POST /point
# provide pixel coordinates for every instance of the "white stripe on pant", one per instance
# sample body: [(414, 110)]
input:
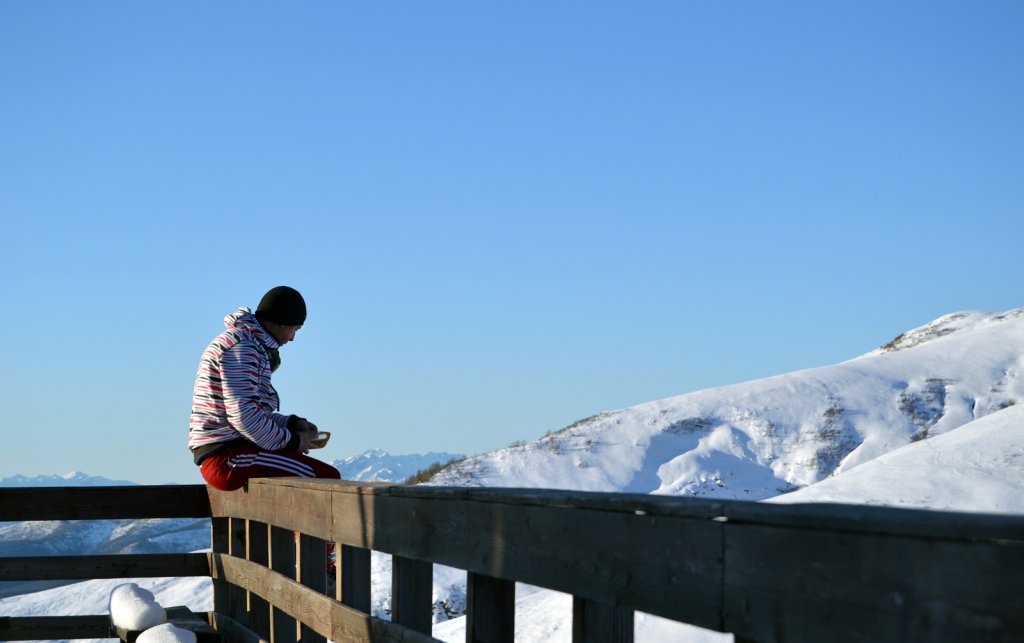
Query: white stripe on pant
[(271, 461)]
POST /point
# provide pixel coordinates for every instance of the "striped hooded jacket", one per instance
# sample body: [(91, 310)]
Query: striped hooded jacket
[(233, 400)]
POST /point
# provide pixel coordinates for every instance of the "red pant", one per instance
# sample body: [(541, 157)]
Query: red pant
[(231, 469)]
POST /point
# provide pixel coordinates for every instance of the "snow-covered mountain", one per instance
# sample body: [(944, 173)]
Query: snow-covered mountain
[(70, 479), (380, 466), (758, 439)]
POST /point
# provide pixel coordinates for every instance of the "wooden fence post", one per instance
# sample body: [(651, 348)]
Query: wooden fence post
[(312, 566), (354, 577), (238, 598), (257, 550), (594, 622), (283, 628), (220, 536), (491, 609), (412, 587)]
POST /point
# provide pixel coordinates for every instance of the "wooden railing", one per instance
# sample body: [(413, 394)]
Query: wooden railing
[(804, 573), (94, 503)]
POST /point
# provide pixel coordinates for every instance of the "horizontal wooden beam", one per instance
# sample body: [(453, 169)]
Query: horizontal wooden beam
[(866, 519), (950, 525), (302, 508), (784, 583), (321, 614), (103, 503), (53, 628), (108, 566)]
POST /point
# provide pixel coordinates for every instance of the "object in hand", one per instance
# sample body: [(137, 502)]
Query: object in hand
[(320, 441)]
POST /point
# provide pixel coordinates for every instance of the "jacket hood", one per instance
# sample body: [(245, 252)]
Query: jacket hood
[(243, 319)]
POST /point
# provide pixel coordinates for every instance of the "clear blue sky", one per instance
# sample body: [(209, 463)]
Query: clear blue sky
[(504, 216)]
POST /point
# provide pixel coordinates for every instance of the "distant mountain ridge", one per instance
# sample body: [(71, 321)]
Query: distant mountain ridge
[(376, 465), (70, 479)]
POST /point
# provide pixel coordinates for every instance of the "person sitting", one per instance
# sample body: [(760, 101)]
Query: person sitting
[(236, 430)]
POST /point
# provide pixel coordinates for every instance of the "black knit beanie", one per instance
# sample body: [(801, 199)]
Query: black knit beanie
[(283, 305)]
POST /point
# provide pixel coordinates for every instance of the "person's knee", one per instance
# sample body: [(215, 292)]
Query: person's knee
[(218, 476), (324, 470)]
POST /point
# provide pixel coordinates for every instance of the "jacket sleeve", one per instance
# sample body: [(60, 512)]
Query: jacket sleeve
[(247, 413)]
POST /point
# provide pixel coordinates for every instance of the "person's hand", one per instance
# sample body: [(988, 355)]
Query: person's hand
[(307, 433)]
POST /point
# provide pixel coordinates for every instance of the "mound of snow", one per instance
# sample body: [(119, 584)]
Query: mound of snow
[(134, 608), (978, 467), (167, 633)]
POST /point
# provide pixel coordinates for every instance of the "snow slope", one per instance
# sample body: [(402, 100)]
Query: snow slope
[(91, 597), (758, 439), (978, 467)]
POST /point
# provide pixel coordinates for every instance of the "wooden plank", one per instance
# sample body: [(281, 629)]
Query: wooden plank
[(52, 628), (867, 519), (312, 567), (238, 599), (281, 592), (836, 516), (220, 543), (103, 503), (283, 628), (258, 551), (788, 584), (412, 587), (490, 610), (594, 622), (301, 508), (326, 617), (105, 566), (677, 506), (354, 584)]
